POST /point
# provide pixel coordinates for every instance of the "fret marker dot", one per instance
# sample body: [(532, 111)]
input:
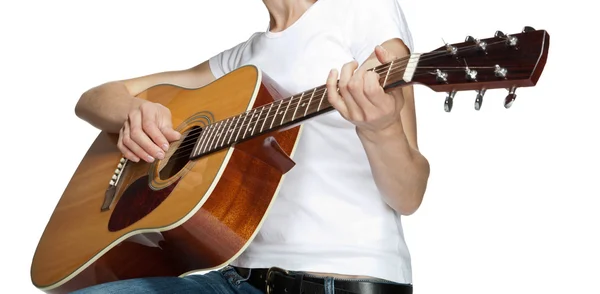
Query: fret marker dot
[(303, 104)]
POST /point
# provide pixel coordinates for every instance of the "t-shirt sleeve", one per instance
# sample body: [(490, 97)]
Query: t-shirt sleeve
[(371, 23), (230, 59), (226, 61)]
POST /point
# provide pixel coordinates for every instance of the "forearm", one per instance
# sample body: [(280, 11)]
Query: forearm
[(106, 106), (400, 171)]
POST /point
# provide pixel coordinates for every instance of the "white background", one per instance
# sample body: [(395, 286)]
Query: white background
[(512, 204)]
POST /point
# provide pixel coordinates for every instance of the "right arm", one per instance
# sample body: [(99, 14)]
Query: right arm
[(143, 126), (106, 106)]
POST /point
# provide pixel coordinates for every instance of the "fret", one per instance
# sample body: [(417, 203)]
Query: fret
[(280, 112), (257, 120), (294, 102), (388, 73), (249, 123), (302, 106), (232, 131), (266, 116), (297, 105), (286, 110), (275, 114), (321, 100), (208, 130), (241, 126), (199, 142), (217, 136), (213, 131), (222, 133), (309, 101), (227, 131)]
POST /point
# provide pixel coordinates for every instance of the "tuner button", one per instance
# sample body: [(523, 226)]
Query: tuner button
[(479, 99), (528, 29), (500, 71), (449, 101), (451, 49), (441, 76), (499, 34), (470, 39), (510, 98)]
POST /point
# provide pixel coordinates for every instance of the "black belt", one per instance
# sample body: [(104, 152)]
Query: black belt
[(275, 281)]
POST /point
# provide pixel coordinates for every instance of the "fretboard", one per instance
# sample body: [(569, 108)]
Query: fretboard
[(288, 111)]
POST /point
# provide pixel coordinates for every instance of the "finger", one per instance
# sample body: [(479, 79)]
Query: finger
[(354, 111), (130, 144), (373, 91), (126, 152), (171, 134), (166, 126), (356, 89), (383, 55), (332, 95), (150, 128), (139, 135), (137, 141)]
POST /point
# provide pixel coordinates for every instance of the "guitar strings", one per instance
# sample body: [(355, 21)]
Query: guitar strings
[(402, 62), (216, 142), (388, 67)]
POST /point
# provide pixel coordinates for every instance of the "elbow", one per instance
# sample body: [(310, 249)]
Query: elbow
[(82, 105), (410, 207), (79, 107)]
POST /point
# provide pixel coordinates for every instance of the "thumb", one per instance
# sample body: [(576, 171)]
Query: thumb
[(383, 55)]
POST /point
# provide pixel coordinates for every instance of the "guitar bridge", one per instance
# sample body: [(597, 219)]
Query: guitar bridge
[(109, 195)]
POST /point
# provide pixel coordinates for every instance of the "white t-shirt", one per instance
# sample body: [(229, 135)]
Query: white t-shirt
[(329, 215)]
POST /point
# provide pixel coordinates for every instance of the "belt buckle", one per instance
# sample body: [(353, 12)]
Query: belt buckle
[(270, 273)]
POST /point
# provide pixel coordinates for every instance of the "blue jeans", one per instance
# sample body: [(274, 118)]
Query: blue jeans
[(223, 281)]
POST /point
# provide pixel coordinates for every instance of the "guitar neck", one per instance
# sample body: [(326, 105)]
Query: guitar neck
[(290, 111)]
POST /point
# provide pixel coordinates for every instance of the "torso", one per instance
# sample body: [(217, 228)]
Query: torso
[(328, 217)]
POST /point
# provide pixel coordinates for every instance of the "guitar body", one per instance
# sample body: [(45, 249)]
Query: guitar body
[(174, 216)]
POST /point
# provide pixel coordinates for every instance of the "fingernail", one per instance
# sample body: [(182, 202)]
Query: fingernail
[(160, 155), (165, 147), (150, 158)]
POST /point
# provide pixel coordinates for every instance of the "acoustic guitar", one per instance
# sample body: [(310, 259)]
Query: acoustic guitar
[(200, 207)]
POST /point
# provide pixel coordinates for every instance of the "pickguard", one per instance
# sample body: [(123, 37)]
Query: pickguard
[(137, 201)]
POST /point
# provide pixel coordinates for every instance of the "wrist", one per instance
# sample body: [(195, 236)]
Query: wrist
[(392, 132)]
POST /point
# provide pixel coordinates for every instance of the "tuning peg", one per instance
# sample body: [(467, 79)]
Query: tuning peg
[(441, 76), (528, 29), (510, 98), (449, 101), (510, 40), (480, 44), (479, 99)]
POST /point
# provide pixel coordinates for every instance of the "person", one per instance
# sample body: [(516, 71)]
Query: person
[(335, 226)]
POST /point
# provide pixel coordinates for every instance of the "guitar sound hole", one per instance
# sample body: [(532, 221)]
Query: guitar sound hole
[(181, 156)]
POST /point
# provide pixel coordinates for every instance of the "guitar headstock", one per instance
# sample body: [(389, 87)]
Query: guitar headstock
[(503, 61)]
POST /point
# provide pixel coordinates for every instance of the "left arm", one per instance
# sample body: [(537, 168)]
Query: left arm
[(386, 126)]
